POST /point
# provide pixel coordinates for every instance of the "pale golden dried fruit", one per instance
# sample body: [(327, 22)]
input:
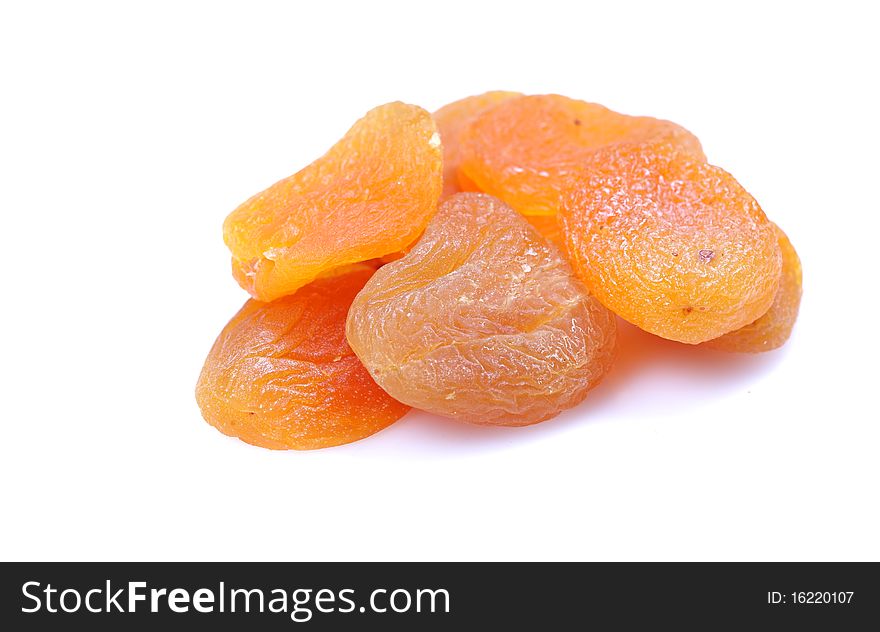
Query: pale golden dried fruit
[(482, 321)]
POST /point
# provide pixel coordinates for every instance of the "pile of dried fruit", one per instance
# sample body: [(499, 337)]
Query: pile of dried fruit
[(471, 264)]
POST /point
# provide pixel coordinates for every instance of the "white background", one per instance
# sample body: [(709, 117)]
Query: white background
[(129, 131)]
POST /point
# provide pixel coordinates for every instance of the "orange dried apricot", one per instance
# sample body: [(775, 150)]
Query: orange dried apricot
[(482, 321), (524, 150), (672, 244), (773, 329), (371, 195), (548, 226), (451, 121), (282, 376)]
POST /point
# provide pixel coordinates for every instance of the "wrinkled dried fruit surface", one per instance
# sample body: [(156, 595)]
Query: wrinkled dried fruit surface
[(549, 227), (282, 376), (673, 245), (773, 329), (371, 195), (482, 321), (524, 150), (451, 121)]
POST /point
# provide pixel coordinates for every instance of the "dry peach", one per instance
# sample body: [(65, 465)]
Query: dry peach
[(773, 329), (282, 376), (451, 121), (482, 320), (371, 195), (671, 244), (548, 226), (524, 150)]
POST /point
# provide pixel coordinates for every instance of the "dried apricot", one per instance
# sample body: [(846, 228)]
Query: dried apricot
[(451, 121), (548, 226), (282, 376), (673, 245), (773, 329), (524, 150), (371, 195), (482, 320)]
